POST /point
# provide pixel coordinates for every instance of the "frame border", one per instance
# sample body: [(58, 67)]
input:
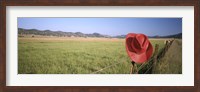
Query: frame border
[(4, 3)]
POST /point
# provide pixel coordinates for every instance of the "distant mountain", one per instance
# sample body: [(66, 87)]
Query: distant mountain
[(22, 31), (120, 36), (179, 35)]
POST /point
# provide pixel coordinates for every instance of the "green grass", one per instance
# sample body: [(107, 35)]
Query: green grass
[(171, 63), (63, 56)]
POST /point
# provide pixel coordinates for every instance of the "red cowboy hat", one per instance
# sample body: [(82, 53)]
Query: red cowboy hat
[(138, 47)]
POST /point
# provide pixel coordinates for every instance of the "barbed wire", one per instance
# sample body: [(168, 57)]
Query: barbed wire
[(144, 64), (141, 66), (158, 57), (148, 69), (106, 67), (119, 63)]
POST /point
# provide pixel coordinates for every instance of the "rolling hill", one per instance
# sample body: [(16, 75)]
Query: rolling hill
[(22, 31)]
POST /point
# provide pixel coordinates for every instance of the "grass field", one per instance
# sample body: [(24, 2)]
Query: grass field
[(51, 55), (172, 62)]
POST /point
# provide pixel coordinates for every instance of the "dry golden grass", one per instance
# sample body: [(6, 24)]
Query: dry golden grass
[(53, 38), (69, 39)]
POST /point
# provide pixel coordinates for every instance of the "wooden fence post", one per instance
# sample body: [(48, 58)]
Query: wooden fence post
[(155, 57), (132, 68)]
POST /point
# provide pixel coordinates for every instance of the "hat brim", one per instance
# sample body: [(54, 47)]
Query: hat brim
[(141, 57)]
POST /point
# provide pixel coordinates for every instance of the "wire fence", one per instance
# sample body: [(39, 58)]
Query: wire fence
[(141, 66), (106, 67), (159, 55)]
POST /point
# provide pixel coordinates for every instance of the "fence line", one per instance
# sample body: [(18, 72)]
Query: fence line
[(144, 64), (158, 57), (148, 69), (119, 63)]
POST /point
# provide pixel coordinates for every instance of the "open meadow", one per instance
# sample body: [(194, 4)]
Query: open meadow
[(74, 55)]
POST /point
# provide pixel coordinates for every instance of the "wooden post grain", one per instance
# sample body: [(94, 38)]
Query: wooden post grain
[(132, 67), (155, 57)]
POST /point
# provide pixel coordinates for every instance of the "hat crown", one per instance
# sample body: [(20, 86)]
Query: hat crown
[(142, 41), (139, 43), (140, 38), (138, 47)]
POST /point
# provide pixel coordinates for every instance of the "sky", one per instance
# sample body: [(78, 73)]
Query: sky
[(106, 26)]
